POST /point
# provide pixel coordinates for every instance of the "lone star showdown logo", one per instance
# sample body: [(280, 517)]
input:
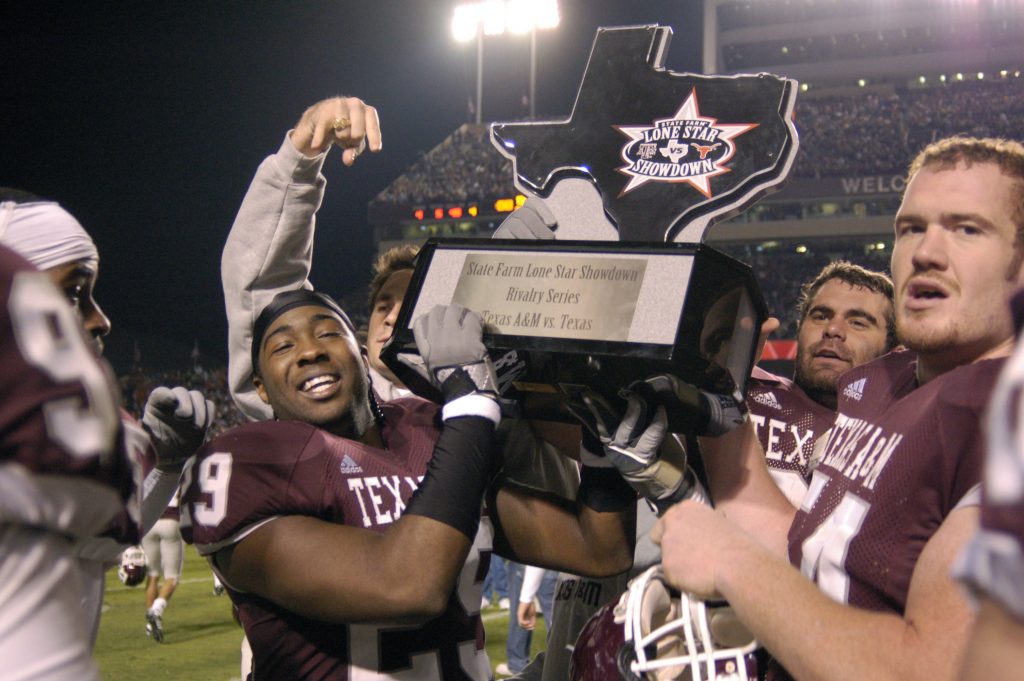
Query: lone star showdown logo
[(656, 153)]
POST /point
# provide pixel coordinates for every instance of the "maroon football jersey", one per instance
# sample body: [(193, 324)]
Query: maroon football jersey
[(58, 415), (898, 460), (257, 472), (787, 423)]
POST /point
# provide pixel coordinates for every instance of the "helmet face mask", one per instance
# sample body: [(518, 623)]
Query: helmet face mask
[(132, 570), (664, 635)]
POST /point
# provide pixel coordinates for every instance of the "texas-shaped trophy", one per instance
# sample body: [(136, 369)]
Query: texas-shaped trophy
[(648, 161)]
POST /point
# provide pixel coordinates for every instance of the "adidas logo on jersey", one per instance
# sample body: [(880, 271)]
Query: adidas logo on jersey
[(349, 467), (855, 391), (768, 400)]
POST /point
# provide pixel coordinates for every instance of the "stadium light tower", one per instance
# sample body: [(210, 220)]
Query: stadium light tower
[(495, 17)]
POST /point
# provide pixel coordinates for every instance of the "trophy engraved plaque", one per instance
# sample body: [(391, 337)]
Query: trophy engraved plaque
[(669, 154)]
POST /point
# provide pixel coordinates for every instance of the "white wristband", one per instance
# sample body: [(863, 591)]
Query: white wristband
[(472, 405)]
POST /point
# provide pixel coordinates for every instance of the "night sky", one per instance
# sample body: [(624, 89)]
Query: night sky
[(147, 120)]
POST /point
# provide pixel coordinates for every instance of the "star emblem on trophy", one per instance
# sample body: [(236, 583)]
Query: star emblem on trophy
[(687, 147)]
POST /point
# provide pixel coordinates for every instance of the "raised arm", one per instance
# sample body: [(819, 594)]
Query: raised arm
[(270, 246)]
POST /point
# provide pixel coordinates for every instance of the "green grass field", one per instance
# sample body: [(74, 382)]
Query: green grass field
[(201, 639)]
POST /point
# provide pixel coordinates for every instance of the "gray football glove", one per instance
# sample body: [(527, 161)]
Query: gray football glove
[(532, 220), (650, 460), (454, 359), (176, 420), (633, 447)]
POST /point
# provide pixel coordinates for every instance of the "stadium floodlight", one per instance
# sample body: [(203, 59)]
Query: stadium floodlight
[(464, 22), (519, 18), (496, 17), (492, 17)]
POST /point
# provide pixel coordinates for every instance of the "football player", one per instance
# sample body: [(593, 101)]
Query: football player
[(174, 422), (846, 319), (895, 495), (60, 477), (337, 478), (269, 250), (165, 556), (992, 565)]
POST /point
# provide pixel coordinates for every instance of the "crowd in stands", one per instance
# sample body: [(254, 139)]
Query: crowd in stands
[(464, 167), (892, 43), (875, 133), (733, 15), (840, 135), (774, 209)]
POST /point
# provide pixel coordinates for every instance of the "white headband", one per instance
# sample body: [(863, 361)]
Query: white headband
[(45, 234)]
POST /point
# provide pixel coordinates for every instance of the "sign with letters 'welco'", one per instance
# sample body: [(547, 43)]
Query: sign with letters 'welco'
[(645, 164)]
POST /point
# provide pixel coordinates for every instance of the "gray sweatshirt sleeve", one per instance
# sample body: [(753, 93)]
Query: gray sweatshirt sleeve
[(269, 250)]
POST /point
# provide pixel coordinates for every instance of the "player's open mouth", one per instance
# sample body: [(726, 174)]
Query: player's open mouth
[(923, 293), (323, 385), (828, 356)]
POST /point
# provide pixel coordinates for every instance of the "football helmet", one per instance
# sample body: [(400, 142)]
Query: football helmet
[(132, 570), (654, 633)]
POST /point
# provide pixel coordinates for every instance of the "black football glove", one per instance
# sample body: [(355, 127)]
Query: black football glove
[(711, 414)]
